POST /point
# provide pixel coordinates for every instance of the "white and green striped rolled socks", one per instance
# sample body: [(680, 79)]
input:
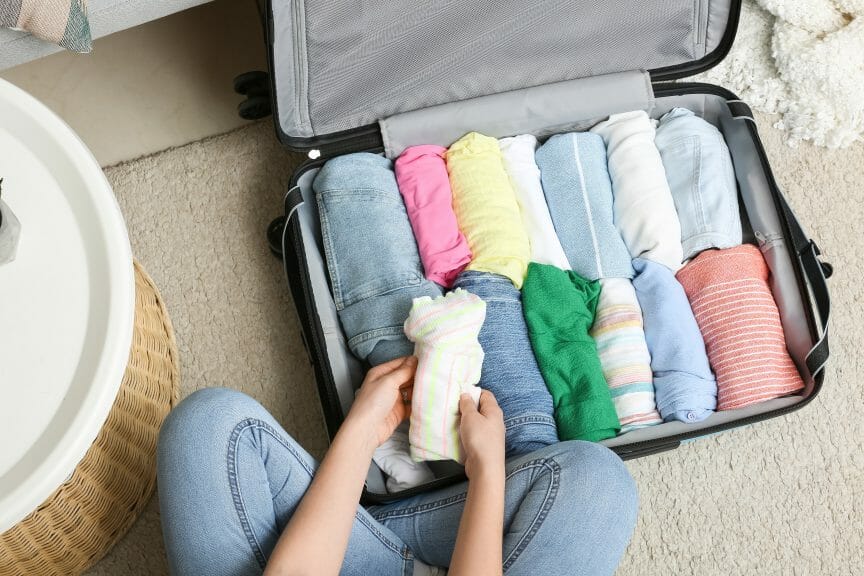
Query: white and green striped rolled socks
[(444, 332)]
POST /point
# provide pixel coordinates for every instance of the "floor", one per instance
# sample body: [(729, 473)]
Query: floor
[(780, 497), (159, 85)]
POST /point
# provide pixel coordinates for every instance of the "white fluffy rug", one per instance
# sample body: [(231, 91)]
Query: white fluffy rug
[(803, 59)]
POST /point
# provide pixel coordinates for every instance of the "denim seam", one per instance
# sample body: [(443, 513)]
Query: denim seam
[(236, 496), (402, 551), (329, 249), (548, 500)]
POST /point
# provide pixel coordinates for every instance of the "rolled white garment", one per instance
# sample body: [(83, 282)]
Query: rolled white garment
[(518, 155), (643, 205)]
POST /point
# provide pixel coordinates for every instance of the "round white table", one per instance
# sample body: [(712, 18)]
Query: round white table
[(67, 303)]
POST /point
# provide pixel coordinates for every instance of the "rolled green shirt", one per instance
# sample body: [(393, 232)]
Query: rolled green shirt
[(559, 309)]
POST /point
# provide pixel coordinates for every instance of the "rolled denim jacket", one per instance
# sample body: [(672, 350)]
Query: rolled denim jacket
[(375, 271), (510, 370), (702, 180)]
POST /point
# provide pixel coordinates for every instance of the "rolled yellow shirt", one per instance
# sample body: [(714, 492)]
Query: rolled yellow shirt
[(486, 208)]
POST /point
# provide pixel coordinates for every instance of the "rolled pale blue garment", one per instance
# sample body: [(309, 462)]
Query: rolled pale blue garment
[(510, 370), (372, 259), (578, 192), (702, 180), (684, 386)]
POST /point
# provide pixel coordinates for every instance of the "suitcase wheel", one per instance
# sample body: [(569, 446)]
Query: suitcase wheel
[(274, 235), (255, 83), (254, 108)]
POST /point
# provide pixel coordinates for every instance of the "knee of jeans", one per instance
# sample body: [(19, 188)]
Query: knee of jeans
[(201, 415), (605, 478)]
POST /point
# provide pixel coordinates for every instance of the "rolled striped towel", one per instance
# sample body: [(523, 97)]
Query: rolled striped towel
[(62, 22), (624, 357), (733, 305), (450, 358)]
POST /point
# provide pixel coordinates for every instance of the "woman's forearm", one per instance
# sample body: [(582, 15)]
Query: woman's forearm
[(479, 541), (316, 538)]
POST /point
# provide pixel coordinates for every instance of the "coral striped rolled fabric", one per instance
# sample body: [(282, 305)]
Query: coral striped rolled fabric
[(449, 363), (623, 350), (486, 208), (732, 302), (425, 187)]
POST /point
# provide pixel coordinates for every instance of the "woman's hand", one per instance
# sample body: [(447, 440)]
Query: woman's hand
[(481, 431), (384, 400)]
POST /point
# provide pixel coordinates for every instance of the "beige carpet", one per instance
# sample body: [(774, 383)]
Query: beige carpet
[(781, 497)]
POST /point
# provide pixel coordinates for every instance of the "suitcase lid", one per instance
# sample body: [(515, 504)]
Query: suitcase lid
[(339, 66)]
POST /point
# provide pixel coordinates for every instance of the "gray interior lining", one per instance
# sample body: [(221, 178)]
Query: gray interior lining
[(342, 64), (569, 106), (761, 216)]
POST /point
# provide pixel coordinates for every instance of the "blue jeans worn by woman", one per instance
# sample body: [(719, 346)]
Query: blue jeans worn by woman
[(230, 479)]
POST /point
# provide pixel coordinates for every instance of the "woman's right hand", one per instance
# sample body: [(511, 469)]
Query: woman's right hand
[(481, 431)]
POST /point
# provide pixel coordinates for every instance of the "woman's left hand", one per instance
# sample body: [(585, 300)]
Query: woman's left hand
[(384, 399)]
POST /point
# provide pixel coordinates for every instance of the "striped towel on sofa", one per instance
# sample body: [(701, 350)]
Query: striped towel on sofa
[(62, 22)]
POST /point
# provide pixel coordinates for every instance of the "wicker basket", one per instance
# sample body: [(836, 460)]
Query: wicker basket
[(106, 493)]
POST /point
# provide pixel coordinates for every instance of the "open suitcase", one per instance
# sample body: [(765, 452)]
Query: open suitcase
[(351, 76)]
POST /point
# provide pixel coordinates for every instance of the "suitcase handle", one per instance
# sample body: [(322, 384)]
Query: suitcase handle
[(816, 272)]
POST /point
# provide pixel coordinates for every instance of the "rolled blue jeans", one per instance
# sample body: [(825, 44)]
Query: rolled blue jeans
[(702, 180), (230, 478), (510, 370), (375, 270)]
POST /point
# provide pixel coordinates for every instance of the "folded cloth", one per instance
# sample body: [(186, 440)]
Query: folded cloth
[(449, 359), (486, 208), (510, 370), (644, 210), (684, 386), (620, 341), (579, 194), (702, 180), (425, 186), (393, 457), (518, 154), (372, 259), (559, 311), (733, 305)]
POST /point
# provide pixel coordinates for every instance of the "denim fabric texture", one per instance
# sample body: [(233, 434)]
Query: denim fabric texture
[(684, 386), (510, 370), (375, 270), (702, 180), (230, 479), (579, 195)]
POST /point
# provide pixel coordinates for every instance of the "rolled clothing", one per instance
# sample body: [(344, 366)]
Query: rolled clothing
[(684, 386), (518, 155), (623, 351), (579, 195), (510, 370), (393, 457), (486, 208), (425, 187), (702, 180), (644, 210), (729, 293), (372, 259), (559, 309), (449, 361)]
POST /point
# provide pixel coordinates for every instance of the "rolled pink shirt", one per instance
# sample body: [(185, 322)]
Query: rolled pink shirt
[(425, 186)]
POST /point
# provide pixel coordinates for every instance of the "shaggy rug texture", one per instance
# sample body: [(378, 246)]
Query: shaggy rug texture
[(781, 497), (802, 59)]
